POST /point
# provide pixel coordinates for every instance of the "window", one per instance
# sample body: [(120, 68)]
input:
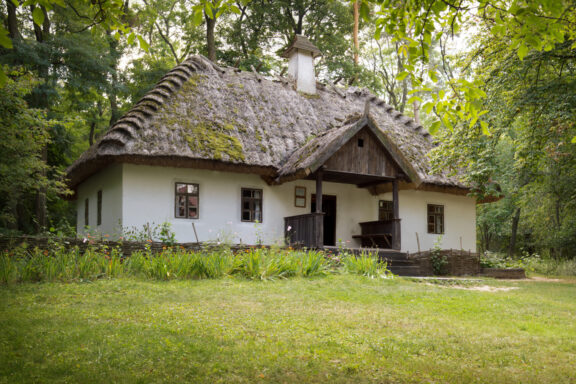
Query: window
[(435, 218), (187, 200), (385, 210), (300, 197), (99, 209), (86, 212), (251, 205), (360, 143)]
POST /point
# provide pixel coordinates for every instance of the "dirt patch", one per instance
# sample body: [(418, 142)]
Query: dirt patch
[(486, 288), (538, 278), (481, 288)]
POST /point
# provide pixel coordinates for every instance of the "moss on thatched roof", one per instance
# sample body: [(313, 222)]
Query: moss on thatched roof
[(203, 115)]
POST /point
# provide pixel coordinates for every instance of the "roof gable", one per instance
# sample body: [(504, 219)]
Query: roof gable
[(322, 150)]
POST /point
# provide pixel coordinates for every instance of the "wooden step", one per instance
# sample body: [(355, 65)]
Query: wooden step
[(412, 270)]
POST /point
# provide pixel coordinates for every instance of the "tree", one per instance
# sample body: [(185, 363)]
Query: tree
[(24, 133), (531, 25)]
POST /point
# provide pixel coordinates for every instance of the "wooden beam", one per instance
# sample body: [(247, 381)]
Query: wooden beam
[(396, 235), (396, 206), (319, 175)]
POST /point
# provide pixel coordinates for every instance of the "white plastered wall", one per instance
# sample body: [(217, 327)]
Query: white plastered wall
[(148, 194), (134, 195), (109, 181), (459, 220)]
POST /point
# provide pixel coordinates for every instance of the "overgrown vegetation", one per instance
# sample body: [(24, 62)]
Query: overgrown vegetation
[(63, 264), (531, 263)]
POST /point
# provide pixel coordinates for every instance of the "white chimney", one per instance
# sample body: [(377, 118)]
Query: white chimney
[(301, 54)]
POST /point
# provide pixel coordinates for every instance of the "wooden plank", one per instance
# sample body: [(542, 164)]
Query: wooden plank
[(363, 154)]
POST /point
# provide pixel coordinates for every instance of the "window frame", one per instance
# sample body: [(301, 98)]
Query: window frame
[(298, 198), (252, 208), (187, 196), (435, 219), (390, 203)]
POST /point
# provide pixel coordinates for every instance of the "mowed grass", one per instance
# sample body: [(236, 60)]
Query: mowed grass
[(339, 328)]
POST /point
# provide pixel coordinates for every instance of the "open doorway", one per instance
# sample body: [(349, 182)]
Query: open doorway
[(329, 209)]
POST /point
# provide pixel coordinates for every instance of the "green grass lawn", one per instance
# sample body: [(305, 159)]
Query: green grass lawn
[(335, 329)]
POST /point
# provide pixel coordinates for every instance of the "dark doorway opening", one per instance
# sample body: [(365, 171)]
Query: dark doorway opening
[(329, 209)]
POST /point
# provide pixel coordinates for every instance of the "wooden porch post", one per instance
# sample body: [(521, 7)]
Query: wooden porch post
[(396, 240), (319, 219), (319, 191)]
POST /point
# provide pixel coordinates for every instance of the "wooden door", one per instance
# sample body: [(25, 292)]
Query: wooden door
[(329, 210)]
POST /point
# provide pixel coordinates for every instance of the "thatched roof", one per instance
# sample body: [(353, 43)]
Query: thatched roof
[(205, 116)]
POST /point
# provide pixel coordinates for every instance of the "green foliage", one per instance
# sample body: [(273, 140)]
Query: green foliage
[(24, 134), (59, 263), (416, 25), (437, 258), (366, 264), (150, 232)]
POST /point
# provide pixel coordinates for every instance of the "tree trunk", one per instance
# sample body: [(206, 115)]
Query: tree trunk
[(356, 23), (41, 211), (210, 45), (37, 28), (12, 21), (514, 232)]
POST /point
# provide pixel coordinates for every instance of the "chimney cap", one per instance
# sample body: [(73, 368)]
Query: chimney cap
[(302, 43)]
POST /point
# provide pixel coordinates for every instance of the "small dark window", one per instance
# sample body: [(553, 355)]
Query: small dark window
[(86, 212), (251, 205), (360, 143), (385, 210), (187, 200), (435, 219), (99, 209)]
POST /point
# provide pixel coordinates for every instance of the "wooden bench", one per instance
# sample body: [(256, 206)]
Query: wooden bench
[(372, 240)]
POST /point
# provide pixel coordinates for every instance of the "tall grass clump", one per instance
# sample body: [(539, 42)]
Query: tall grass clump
[(58, 264), (177, 263), (552, 267), (365, 264), (309, 263), (263, 264)]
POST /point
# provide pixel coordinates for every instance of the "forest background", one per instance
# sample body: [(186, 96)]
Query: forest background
[(493, 80)]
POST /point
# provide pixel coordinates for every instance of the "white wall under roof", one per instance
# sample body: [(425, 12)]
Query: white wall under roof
[(109, 181), (149, 198), (459, 220), (135, 195), (301, 68)]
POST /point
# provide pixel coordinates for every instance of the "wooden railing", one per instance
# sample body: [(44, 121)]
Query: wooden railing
[(380, 234), (305, 230)]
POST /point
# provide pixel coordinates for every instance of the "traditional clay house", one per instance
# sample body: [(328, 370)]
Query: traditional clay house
[(249, 159)]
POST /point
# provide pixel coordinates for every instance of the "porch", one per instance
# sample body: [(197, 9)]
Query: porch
[(315, 229)]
